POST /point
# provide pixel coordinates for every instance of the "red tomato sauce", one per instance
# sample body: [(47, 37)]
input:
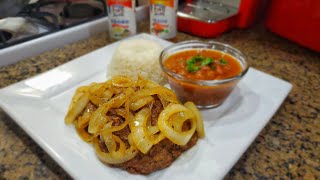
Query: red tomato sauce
[(216, 70)]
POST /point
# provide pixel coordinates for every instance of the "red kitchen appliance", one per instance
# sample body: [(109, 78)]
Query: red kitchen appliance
[(296, 20), (210, 18)]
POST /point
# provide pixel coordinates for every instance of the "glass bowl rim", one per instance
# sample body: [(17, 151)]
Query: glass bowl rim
[(205, 82)]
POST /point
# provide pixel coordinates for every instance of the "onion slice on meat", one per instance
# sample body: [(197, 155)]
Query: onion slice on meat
[(139, 130), (116, 157), (177, 136), (200, 125), (144, 135), (78, 103), (164, 92), (140, 103)]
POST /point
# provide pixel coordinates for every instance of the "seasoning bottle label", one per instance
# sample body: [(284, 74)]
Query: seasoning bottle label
[(122, 18), (163, 18)]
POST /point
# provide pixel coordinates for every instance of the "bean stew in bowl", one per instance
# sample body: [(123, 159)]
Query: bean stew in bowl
[(203, 72)]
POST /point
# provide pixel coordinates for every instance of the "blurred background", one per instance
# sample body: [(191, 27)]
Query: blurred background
[(296, 20)]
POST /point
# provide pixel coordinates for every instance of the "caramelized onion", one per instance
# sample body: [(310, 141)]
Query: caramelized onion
[(78, 103), (139, 130), (140, 103), (124, 103), (200, 126), (164, 92), (116, 157), (176, 135)]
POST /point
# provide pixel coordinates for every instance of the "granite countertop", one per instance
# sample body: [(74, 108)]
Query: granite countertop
[(288, 147)]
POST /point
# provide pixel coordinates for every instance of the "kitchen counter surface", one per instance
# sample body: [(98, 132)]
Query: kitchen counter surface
[(288, 147)]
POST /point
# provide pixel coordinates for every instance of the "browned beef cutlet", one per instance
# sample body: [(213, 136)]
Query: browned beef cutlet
[(160, 155)]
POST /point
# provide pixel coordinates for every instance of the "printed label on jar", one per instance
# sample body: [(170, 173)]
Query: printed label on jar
[(122, 18), (163, 18)]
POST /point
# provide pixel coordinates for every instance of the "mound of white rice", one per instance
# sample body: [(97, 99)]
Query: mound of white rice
[(137, 57)]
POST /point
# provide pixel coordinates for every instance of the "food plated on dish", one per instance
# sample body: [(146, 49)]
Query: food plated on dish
[(138, 126)]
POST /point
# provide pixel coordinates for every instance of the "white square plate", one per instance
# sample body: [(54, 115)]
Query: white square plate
[(39, 105)]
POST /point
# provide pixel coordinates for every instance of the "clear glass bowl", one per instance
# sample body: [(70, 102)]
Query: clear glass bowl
[(204, 93)]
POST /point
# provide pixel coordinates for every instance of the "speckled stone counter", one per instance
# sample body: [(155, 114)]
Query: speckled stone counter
[(288, 147)]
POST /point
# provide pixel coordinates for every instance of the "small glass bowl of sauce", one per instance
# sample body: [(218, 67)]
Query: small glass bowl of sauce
[(203, 72)]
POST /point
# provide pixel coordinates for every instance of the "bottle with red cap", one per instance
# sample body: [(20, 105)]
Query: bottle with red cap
[(122, 18), (163, 18)]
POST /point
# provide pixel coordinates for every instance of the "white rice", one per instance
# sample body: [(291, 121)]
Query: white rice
[(137, 57)]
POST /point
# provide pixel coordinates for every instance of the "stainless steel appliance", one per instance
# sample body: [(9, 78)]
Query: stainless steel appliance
[(38, 18)]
